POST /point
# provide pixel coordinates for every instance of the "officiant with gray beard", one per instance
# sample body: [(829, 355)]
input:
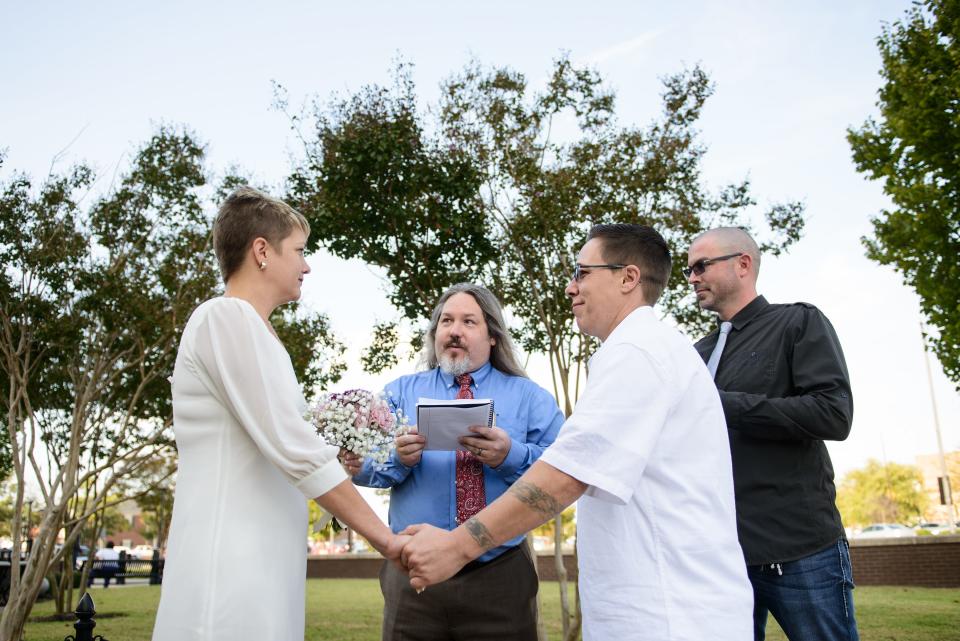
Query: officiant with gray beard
[(469, 355)]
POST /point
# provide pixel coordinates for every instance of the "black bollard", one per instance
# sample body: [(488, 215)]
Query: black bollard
[(85, 624), (155, 568)]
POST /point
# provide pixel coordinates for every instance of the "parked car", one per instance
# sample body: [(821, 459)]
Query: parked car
[(885, 531), (935, 528), (142, 552)]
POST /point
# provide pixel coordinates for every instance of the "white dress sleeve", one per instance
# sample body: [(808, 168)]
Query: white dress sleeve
[(607, 441), (252, 377)]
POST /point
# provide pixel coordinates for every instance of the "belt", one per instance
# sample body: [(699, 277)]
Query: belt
[(476, 565)]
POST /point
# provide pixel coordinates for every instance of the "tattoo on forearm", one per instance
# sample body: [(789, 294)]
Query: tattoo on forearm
[(480, 533), (536, 498)]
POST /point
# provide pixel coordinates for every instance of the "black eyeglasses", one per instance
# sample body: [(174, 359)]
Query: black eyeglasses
[(701, 265), (578, 269)]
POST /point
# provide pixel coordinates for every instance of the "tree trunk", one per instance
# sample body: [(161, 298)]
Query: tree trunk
[(21, 600), (573, 634), (59, 588), (69, 570), (561, 573), (14, 616)]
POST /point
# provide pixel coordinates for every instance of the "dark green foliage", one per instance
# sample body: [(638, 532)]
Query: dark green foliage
[(490, 192), (94, 295), (914, 148), (115, 284), (375, 187), (381, 355), (316, 353)]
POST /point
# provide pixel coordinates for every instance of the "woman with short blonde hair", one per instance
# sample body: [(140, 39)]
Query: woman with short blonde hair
[(236, 557)]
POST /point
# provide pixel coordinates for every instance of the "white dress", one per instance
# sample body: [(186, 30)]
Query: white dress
[(236, 556)]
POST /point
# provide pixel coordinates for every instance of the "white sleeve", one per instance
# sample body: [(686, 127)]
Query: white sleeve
[(614, 428), (260, 390)]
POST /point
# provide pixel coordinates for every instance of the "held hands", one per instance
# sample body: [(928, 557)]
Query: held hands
[(394, 548), (489, 444), (430, 555)]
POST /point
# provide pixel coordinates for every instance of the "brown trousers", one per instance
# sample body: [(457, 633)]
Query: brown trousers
[(495, 601)]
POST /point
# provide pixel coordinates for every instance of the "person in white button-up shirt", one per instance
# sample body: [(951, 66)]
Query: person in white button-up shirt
[(646, 452)]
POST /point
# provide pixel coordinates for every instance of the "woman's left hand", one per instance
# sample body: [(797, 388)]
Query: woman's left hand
[(351, 462)]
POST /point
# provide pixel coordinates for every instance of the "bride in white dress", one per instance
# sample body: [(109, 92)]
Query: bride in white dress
[(236, 557)]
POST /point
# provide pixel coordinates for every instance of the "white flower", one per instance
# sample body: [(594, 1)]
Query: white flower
[(336, 418)]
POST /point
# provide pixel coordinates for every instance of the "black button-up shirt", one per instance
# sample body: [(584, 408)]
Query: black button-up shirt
[(785, 389)]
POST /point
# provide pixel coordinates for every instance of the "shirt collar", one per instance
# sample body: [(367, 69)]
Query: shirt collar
[(742, 318), (479, 376), (644, 311)]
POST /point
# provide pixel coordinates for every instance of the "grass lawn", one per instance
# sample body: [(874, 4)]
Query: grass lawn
[(349, 610)]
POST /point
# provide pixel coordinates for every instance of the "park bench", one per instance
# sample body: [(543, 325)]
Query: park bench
[(129, 568)]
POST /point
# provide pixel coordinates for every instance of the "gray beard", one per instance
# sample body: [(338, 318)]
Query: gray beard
[(455, 368)]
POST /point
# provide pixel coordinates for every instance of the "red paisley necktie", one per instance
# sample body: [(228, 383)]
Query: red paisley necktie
[(471, 497)]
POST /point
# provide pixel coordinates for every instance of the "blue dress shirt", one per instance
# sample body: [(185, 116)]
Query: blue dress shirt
[(426, 492)]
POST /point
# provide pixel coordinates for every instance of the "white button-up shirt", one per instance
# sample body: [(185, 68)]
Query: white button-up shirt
[(656, 529)]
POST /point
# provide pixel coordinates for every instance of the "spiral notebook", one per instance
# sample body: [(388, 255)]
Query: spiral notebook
[(443, 422)]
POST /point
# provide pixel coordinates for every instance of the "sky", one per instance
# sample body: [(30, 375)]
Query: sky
[(91, 81)]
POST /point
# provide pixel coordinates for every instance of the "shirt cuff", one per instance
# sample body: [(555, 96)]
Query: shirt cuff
[(397, 463), (601, 486), (513, 460), (731, 403), (322, 480)]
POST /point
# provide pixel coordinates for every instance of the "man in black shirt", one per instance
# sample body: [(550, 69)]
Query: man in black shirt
[(785, 390)]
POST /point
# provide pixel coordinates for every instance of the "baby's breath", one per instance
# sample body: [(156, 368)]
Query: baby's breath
[(359, 421)]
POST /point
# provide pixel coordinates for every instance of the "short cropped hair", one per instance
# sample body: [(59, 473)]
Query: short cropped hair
[(638, 245), (731, 240), (248, 214), (503, 354)]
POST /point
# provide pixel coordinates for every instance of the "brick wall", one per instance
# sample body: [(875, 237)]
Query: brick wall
[(344, 566), (367, 566), (928, 561), (547, 566)]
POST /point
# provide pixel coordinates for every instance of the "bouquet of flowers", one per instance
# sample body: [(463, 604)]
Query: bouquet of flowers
[(359, 421)]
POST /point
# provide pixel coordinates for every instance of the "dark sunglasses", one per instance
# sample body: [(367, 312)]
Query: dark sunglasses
[(701, 265), (578, 272)]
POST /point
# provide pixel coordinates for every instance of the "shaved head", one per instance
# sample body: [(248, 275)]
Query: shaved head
[(732, 240), (722, 266)]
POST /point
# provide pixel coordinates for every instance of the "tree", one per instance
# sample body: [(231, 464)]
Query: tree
[(489, 192), (370, 169), (881, 493), (914, 148), (568, 529), (92, 303)]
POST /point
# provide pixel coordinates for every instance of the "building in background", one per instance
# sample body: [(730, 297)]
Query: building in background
[(929, 466)]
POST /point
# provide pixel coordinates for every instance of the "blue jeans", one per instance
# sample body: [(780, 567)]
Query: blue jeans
[(811, 598)]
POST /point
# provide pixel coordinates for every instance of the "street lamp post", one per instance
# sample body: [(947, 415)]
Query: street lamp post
[(947, 494)]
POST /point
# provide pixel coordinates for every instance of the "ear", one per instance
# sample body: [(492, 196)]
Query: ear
[(631, 279), (745, 264), (259, 247)]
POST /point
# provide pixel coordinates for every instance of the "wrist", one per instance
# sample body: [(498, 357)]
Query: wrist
[(381, 542), (472, 539)]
